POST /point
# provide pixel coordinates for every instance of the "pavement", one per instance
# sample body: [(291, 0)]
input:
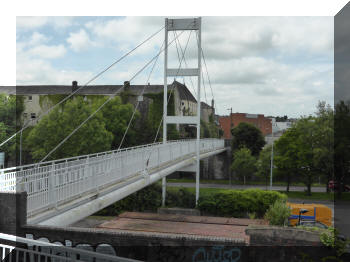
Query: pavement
[(226, 186), (233, 228)]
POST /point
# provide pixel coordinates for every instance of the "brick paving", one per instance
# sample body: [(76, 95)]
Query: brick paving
[(181, 224)]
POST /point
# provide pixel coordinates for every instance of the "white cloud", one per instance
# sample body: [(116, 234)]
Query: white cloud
[(37, 38), (127, 32), (270, 65), (33, 22), (38, 71), (30, 22), (79, 41), (45, 51)]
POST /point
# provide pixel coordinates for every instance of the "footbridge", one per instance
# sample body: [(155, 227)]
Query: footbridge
[(63, 191)]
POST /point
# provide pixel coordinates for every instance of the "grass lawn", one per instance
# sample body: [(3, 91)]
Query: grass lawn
[(203, 191), (227, 182), (292, 195), (314, 195)]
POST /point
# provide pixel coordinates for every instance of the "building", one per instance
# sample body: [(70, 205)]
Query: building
[(278, 129), (184, 102), (233, 120), (207, 111)]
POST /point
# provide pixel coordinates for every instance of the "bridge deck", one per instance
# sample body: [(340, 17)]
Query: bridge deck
[(56, 186)]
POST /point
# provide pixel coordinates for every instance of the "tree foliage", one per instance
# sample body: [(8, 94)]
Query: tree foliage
[(116, 117), (263, 164), (243, 164), (249, 136), (306, 149), (154, 118), (54, 127), (286, 155), (11, 108)]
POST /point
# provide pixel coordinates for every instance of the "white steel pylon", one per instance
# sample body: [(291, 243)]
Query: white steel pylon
[(177, 25)]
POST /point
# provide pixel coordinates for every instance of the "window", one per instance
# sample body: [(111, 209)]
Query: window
[(32, 115), (25, 115), (30, 98)]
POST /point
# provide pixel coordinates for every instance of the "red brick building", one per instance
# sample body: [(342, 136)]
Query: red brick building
[(260, 121)]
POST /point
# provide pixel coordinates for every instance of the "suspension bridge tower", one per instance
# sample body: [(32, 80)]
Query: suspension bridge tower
[(180, 25)]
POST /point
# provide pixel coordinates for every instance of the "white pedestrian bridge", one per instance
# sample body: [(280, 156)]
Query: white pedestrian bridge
[(63, 191)]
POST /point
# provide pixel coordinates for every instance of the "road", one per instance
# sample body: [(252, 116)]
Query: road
[(226, 186)]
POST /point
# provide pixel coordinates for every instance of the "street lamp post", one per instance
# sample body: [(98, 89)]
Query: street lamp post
[(271, 168), (230, 137), (230, 121), (271, 162)]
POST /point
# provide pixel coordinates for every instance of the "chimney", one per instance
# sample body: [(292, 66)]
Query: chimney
[(212, 103), (126, 85), (74, 86)]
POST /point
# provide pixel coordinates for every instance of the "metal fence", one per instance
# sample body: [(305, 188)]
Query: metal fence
[(18, 249), (53, 183)]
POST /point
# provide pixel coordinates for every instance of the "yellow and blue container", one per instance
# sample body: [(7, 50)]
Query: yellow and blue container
[(315, 212)]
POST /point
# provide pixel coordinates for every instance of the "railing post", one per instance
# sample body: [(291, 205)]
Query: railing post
[(51, 180), (158, 157), (181, 156)]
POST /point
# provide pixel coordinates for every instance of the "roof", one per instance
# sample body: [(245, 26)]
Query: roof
[(205, 105), (184, 93)]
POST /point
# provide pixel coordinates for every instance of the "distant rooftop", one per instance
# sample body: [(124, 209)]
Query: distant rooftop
[(184, 93)]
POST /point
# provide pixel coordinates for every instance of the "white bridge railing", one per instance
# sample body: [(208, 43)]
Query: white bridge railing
[(53, 183), (18, 249)]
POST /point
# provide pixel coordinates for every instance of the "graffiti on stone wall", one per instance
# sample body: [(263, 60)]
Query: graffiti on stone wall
[(101, 248), (217, 254)]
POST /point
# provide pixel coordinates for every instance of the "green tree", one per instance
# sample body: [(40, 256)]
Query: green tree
[(324, 143), (307, 143), (263, 164), (154, 117), (116, 117), (249, 136), (286, 155), (53, 128), (244, 164), (11, 108)]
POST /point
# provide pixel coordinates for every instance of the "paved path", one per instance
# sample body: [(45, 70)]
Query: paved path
[(278, 188), (230, 228)]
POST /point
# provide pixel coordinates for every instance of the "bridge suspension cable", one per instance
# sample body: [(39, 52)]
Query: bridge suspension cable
[(81, 87), (102, 105), (138, 102), (206, 70), (171, 91), (178, 41)]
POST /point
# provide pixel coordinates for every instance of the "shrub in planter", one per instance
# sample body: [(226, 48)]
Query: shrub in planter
[(278, 213)]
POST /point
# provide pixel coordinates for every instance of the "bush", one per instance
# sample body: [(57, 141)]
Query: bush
[(149, 199), (233, 203), (331, 238), (278, 213), (180, 198), (239, 203)]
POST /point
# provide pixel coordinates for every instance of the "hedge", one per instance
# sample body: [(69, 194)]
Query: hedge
[(231, 203), (239, 203)]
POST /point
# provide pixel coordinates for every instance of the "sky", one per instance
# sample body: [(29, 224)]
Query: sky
[(259, 65)]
